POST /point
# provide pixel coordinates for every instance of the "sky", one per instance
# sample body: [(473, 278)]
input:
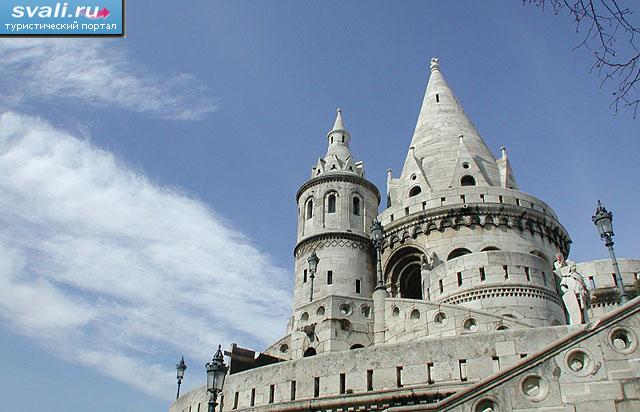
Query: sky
[(147, 184)]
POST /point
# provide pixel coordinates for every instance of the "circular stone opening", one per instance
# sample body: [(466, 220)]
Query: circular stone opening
[(304, 317), (486, 405), (470, 325), (366, 311), (440, 319), (465, 165), (395, 312), (622, 340), (414, 177), (345, 309), (320, 311), (284, 348), (534, 387), (578, 361), (415, 315)]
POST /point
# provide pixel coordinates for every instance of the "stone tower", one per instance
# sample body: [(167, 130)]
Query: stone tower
[(469, 312), (458, 230), (335, 209)]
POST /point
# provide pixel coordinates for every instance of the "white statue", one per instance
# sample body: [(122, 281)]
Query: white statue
[(575, 294)]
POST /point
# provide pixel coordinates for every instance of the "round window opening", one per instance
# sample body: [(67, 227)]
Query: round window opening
[(395, 312), (284, 348), (345, 309), (414, 177), (534, 387), (415, 315), (366, 311), (486, 405), (320, 311), (470, 325), (304, 317), (579, 362), (465, 165), (440, 319), (622, 340)]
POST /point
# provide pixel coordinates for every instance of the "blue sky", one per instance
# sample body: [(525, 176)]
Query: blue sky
[(148, 183)]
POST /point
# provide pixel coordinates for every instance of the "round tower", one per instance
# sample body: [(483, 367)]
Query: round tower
[(457, 229), (335, 209)]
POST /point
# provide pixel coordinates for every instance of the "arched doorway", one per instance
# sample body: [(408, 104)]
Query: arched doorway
[(403, 271), (309, 352)]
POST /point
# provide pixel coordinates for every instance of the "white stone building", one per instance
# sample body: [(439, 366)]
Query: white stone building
[(473, 309)]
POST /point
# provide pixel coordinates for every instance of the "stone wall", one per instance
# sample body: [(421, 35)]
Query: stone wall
[(445, 361)]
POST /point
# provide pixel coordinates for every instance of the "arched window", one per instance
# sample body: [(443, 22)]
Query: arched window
[(356, 206), (331, 203), (467, 180), (414, 191), (309, 213), (356, 346), (403, 270), (457, 253), (489, 249), (309, 352)]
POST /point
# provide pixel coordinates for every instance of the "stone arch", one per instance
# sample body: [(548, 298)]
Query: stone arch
[(311, 351), (461, 251), (308, 208), (403, 271), (467, 180), (415, 190)]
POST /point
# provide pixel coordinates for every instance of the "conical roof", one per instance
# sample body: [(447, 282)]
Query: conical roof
[(435, 146), (338, 157)]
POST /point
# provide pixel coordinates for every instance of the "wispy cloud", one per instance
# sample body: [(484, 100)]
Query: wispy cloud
[(97, 74), (105, 268)]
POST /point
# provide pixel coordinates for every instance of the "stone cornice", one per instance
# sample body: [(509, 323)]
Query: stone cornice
[(338, 177), (325, 239), (495, 214)]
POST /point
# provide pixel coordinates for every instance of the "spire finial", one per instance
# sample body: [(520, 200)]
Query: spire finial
[(503, 152), (435, 64), (339, 123)]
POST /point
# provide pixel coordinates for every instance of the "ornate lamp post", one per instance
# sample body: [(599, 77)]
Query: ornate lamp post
[(603, 220), (376, 238), (180, 368), (313, 266), (216, 373), (380, 292)]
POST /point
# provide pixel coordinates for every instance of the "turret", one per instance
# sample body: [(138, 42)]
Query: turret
[(336, 208), (458, 231)]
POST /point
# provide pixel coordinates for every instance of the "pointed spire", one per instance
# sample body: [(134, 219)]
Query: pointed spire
[(338, 125), (339, 139), (338, 157), (436, 138)]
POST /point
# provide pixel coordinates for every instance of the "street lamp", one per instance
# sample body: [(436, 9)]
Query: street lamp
[(180, 368), (313, 266), (376, 237), (603, 220), (216, 372)]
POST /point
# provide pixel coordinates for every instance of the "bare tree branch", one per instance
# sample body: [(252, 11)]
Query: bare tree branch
[(608, 31)]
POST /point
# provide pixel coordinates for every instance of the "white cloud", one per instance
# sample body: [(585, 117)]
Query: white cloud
[(97, 74), (103, 267)]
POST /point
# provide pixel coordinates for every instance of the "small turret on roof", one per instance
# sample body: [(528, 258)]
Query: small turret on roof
[(338, 157)]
